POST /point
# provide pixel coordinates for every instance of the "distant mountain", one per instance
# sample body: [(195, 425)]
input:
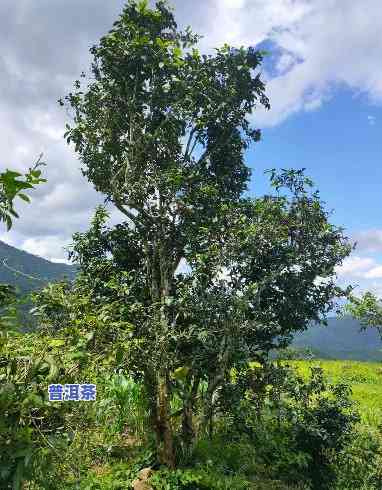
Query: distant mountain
[(341, 339), (28, 272)]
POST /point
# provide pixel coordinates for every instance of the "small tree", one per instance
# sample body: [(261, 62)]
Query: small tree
[(161, 130), (367, 309)]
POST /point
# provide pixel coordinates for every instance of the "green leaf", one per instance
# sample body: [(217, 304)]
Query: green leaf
[(119, 354), (24, 197), (181, 372), (77, 355), (56, 342), (177, 52)]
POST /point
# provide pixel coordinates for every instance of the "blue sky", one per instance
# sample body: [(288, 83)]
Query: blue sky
[(340, 146), (324, 81), (341, 149)]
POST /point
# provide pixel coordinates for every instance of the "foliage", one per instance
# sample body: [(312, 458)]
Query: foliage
[(25, 415), (359, 464), (274, 453), (161, 130), (34, 431), (367, 309), (323, 426), (41, 439), (364, 379), (118, 477), (177, 480), (12, 185), (298, 423), (131, 403)]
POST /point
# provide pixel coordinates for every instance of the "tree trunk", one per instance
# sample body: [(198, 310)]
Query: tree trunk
[(160, 272), (165, 433), (150, 382), (160, 293), (188, 432), (207, 423), (214, 382)]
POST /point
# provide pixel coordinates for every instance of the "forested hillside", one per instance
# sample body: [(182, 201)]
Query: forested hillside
[(341, 339), (28, 272)]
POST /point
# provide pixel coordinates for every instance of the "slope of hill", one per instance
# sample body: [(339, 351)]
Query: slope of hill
[(341, 339), (28, 272)]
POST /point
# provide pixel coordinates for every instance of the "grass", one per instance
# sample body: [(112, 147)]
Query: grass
[(365, 379)]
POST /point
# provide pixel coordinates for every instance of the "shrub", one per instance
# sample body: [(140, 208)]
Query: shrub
[(165, 479), (295, 425), (359, 464)]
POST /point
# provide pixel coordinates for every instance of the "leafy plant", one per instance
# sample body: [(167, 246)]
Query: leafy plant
[(359, 463), (177, 480), (12, 185)]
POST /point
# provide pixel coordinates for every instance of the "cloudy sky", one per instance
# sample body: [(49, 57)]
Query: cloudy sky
[(324, 81)]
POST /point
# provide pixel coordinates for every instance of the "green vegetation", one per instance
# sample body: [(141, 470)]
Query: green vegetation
[(367, 310), (272, 428), (27, 273), (171, 160), (12, 185), (187, 397), (364, 378)]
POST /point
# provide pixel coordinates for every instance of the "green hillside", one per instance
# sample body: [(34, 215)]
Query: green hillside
[(341, 339), (28, 272)]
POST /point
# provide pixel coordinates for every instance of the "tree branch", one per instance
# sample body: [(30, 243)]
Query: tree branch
[(186, 154), (203, 156), (124, 211), (193, 147)]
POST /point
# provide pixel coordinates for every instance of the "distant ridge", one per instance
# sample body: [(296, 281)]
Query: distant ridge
[(28, 272), (341, 339)]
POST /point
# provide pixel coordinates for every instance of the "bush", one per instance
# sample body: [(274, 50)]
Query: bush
[(177, 480), (359, 464), (296, 425)]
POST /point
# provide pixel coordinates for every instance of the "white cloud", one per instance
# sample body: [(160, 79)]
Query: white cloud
[(374, 273), (374, 287), (371, 120), (285, 62), (50, 247), (355, 266), (363, 272), (233, 4), (248, 23), (334, 45), (368, 240)]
